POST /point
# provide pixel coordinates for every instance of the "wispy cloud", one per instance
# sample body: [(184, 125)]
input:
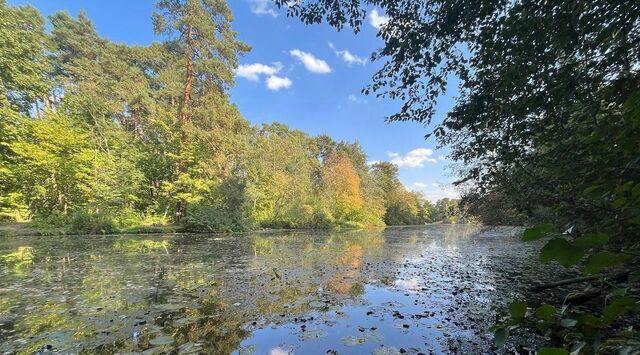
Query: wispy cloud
[(262, 7), (348, 57), (377, 20), (313, 64), (255, 71), (413, 159), (355, 99), (436, 191), (276, 83)]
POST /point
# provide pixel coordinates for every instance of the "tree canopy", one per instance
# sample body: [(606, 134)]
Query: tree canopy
[(101, 136)]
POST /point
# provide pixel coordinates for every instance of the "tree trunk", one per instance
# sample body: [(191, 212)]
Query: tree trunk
[(184, 115), (186, 96)]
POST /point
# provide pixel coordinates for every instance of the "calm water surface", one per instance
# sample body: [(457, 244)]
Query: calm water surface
[(415, 290)]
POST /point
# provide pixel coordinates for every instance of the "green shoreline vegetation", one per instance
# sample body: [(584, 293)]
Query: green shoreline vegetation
[(101, 137)]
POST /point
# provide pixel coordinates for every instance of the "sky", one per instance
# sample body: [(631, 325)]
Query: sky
[(308, 77)]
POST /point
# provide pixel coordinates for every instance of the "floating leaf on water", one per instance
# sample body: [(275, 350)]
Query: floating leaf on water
[(184, 321), (500, 336), (170, 306), (247, 350), (313, 333), (353, 340), (317, 304), (568, 323), (161, 340), (374, 335), (190, 348), (387, 351)]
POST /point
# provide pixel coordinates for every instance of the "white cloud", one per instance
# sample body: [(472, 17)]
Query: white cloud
[(434, 191), (261, 7), (373, 162), (377, 20), (253, 71), (276, 83), (414, 159), (348, 57), (355, 99), (313, 64)]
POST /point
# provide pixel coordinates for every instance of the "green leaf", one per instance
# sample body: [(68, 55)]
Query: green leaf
[(568, 323), (604, 259), (537, 232), (500, 336), (589, 319), (517, 309), (592, 240), (552, 351), (546, 312), (619, 307), (561, 251)]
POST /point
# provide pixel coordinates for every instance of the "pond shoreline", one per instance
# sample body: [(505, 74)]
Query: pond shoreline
[(27, 229)]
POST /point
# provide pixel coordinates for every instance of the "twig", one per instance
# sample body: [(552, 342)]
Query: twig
[(613, 276)]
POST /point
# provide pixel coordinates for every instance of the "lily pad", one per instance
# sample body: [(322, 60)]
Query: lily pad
[(313, 333), (353, 340), (161, 340)]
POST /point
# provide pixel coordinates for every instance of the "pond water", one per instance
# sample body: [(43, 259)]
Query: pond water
[(417, 290)]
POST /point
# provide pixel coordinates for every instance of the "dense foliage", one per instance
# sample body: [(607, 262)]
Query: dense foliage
[(546, 126), (99, 136)]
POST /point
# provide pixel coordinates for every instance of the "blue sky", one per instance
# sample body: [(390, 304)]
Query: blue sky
[(308, 77)]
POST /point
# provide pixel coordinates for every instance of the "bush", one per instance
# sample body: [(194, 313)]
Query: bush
[(52, 220), (206, 217), (85, 222), (322, 219)]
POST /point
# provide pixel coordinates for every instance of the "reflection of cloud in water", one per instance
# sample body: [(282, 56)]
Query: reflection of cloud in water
[(279, 351), (409, 284)]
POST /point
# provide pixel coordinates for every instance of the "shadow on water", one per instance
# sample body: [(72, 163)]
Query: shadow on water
[(431, 289)]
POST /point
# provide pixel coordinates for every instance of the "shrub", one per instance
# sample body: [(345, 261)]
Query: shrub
[(206, 217), (85, 222), (322, 219)]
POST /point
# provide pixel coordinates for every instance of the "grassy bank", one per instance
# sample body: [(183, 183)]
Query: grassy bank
[(15, 229)]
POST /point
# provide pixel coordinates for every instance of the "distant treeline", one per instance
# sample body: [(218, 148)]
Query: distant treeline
[(99, 136)]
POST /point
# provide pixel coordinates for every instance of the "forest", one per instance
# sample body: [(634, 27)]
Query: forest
[(101, 137)]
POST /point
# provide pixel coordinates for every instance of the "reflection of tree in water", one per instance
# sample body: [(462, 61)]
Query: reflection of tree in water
[(83, 294), (213, 328), (345, 282), (307, 264)]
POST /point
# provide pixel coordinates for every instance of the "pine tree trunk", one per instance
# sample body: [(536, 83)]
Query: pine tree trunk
[(186, 101), (184, 114)]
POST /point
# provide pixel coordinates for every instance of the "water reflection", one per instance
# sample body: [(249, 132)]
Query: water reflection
[(419, 289)]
